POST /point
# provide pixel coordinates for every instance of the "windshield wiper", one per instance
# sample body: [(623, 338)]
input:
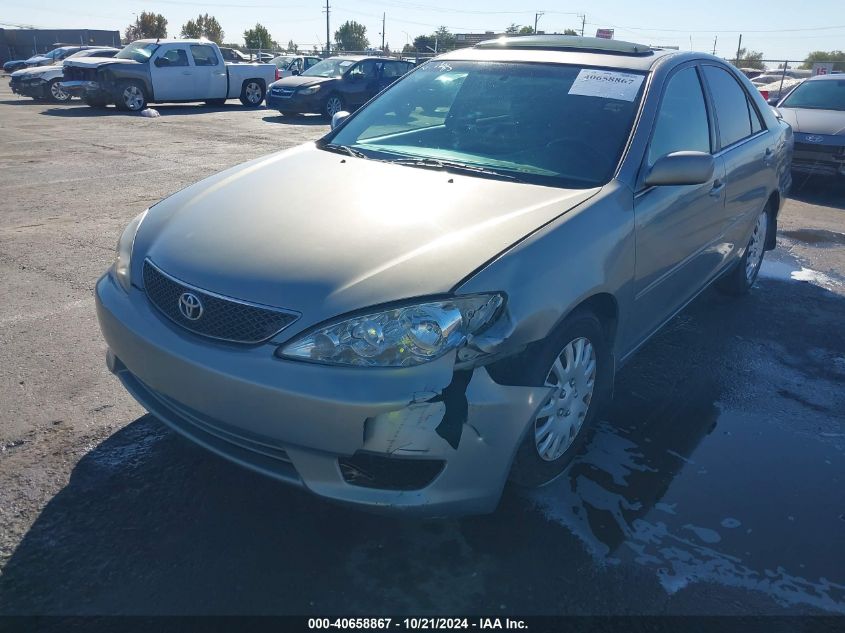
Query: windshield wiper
[(451, 165), (343, 149)]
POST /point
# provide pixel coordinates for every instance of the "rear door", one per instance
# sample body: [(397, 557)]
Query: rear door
[(210, 77), (172, 73), (748, 150), (676, 226)]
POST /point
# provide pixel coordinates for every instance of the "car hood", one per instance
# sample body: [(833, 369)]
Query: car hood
[(30, 72), (324, 234), (810, 121), (94, 62), (298, 81)]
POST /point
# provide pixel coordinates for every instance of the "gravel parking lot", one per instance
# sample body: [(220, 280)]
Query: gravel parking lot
[(715, 485)]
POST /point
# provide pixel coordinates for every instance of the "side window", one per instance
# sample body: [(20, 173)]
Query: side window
[(682, 120), (310, 61), (731, 105), (756, 124), (174, 57), (203, 55), (365, 69), (392, 70)]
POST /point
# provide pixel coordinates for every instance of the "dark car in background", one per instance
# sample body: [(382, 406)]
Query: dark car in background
[(335, 84), (816, 111), (44, 59)]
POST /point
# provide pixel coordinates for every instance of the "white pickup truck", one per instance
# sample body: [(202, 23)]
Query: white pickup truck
[(166, 70)]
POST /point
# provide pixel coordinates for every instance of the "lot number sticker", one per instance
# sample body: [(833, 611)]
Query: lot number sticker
[(607, 84)]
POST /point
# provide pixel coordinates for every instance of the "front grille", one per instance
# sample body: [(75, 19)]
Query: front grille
[(221, 317), (75, 73)]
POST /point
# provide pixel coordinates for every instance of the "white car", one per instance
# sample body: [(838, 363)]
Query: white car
[(166, 71), (44, 82), (290, 65)]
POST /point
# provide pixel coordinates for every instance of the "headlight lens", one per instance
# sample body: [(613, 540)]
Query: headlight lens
[(399, 337), (122, 261), (309, 91)]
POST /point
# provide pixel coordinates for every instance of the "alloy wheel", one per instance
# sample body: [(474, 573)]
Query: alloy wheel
[(560, 419), (133, 97), (58, 93), (333, 106), (253, 92)]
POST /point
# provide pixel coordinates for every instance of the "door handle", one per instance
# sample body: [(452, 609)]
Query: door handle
[(186, 72), (768, 156), (718, 185)]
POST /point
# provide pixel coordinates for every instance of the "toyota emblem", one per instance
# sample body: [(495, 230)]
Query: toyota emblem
[(190, 306)]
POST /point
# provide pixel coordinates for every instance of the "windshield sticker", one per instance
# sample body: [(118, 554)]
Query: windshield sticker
[(607, 84)]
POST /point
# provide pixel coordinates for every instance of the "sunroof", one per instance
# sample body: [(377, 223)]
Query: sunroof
[(568, 42)]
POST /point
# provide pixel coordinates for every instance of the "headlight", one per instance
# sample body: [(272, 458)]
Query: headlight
[(309, 91), (122, 261), (398, 337)]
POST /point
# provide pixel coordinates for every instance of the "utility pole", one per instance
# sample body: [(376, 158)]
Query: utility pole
[(328, 31), (738, 49), (537, 16), (383, 22), (583, 23), (715, 39)]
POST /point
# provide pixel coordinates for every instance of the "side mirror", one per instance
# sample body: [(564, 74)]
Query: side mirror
[(338, 118), (294, 72), (681, 168), (773, 101), (160, 62)]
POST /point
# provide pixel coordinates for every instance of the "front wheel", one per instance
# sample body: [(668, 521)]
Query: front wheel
[(130, 97), (56, 93), (740, 280), (575, 362), (252, 93), (332, 106)]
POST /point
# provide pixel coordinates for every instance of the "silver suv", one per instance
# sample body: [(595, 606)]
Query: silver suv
[(441, 297)]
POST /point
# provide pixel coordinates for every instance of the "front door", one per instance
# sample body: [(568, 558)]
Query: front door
[(361, 82), (677, 227), (172, 74)]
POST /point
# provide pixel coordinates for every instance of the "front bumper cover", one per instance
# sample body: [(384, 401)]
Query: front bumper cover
[(300, 422)]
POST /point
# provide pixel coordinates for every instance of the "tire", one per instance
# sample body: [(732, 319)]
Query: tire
[(742, 276), (252, 93), (580, 344), (333, 104), (215, 103), (55, 93), (130, 96)]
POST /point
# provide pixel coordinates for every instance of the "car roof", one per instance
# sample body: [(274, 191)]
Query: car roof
[(168, 40), (839, 76), (565, 49)]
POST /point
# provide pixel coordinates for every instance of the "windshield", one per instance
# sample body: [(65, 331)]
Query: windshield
[(332, 67), (823, 94), (551, 124), (138, 51), (282, 62)]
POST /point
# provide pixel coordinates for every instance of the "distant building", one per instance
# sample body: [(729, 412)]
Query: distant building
[(24, 43)]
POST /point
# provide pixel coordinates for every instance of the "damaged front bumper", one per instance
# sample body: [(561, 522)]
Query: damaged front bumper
[(35, 88), (82, 89), (426, 440)]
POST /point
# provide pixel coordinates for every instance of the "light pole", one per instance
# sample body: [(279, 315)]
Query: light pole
[(537, 17)]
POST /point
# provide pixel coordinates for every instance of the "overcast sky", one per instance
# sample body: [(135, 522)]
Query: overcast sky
[(780, 29)]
